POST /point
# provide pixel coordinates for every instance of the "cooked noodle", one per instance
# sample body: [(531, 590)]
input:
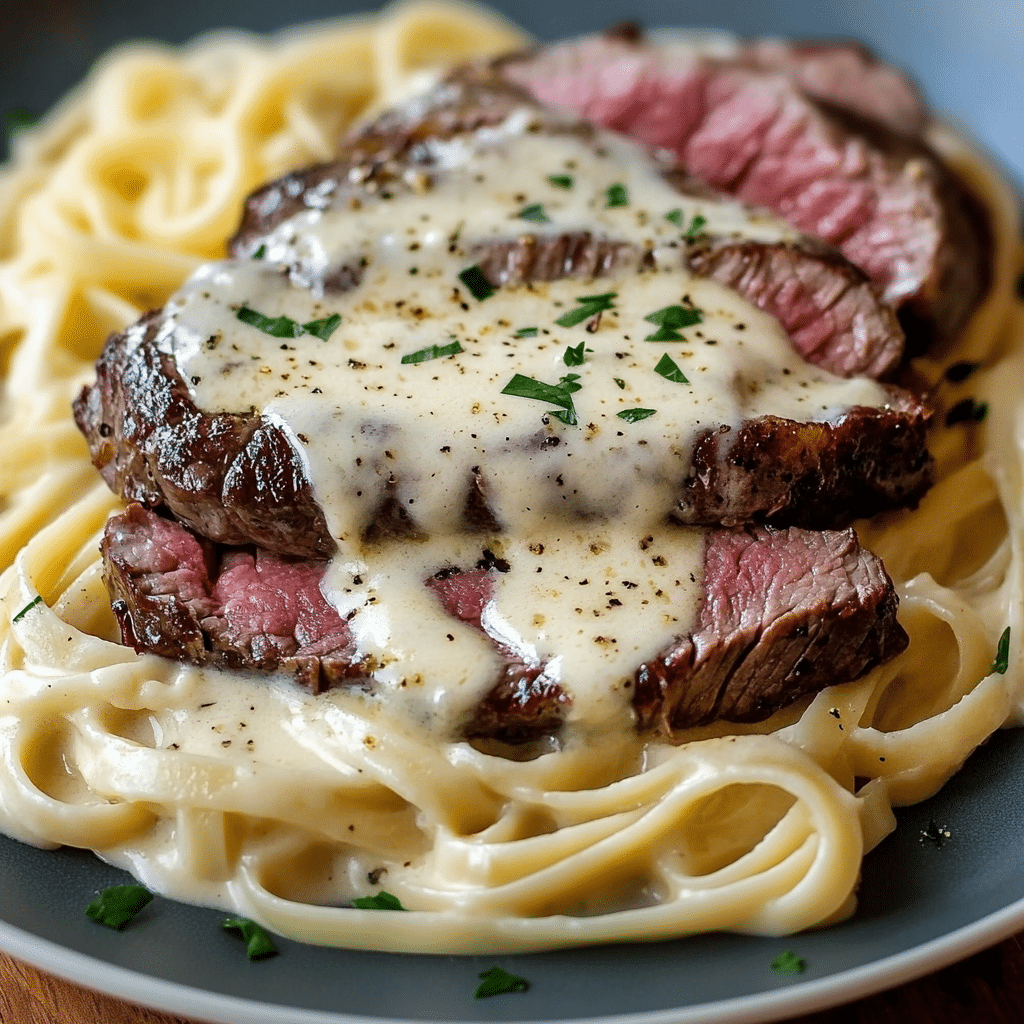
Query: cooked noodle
[(230, 790)]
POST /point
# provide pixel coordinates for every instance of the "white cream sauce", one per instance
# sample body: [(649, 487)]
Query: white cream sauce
[(593, 496)]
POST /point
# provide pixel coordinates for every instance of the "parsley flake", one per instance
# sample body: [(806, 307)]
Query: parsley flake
[(959, 372), (526, 332), (574, 355), (620, 382), (117, 906), (617, 196), (479, 287), (19, 120), (696, 228), (496, 981), (535, 213), (260, 253), (24, 611), (670, 371), (559, 394), (1002, 662), (635, 415), (378, 901), (675, 217), (433, 352), (286, 327), (590, 306), (967, 411), (561, 180), (788, 963), (258, 944), (670, 319), (937, 834), (324, 328)]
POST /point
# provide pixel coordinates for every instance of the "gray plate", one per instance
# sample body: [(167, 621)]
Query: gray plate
[(921, 906)]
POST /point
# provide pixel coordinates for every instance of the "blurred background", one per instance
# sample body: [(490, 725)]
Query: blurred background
[(967, 55)]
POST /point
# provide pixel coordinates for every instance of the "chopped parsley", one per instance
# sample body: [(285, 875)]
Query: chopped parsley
[(379, 901), (535, 213), (620, 382), (24, 611), (696, 228), (526, 332), (479, 287), (590, 305), (286, 327), (19, 120), (117, 906), (675, 217), (324, 328), (788, 963), (669, 321), (668, 369), (258, 944), (574, 355), (635, 415), (260, 252), (967, 411), (561, 180), (1002, 662), (959, 372), (559, 394), (617, 196), (433, 352), (496, 981), (937, 834)]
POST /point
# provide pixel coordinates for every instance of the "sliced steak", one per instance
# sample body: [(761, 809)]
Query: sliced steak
[(748, 125), (784, 614), (187, 599)]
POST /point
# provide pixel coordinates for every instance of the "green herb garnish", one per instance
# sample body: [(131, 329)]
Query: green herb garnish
[(959, 372), (258, 944), (620, 382), (967, 411), (479, 287), (696, 228), (635, 415), (937, 834), (561, 180), (559, 394), (497, 982), (675, 216), (617, 196), (1002, 662), (574, 355), (19, 120), (324, 328), (788, 963), (526, 332), (668, 369), (433, 352), (670, 320), (260, 252), (535, 213), (379, 901), (286, 327), (590, 306), (117, 906), (24, 611)]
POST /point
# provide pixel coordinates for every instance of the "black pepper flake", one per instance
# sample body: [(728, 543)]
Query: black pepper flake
[(967, 411), (960, 371)]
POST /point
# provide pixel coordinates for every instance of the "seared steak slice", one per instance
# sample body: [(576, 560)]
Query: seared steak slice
[(785, 614), (187, 599), (882, 196), (828, 306), (234, 477)]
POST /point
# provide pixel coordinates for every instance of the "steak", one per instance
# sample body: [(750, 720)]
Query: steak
[(792, 131), (784, 613)]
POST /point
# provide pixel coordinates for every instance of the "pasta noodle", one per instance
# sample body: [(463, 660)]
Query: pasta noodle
[(228, 790)]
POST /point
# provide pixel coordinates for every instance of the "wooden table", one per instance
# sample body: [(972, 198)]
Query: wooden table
[(988, 988)]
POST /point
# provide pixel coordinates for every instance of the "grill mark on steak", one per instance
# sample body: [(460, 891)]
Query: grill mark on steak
[(770, 129), (784, 613)]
